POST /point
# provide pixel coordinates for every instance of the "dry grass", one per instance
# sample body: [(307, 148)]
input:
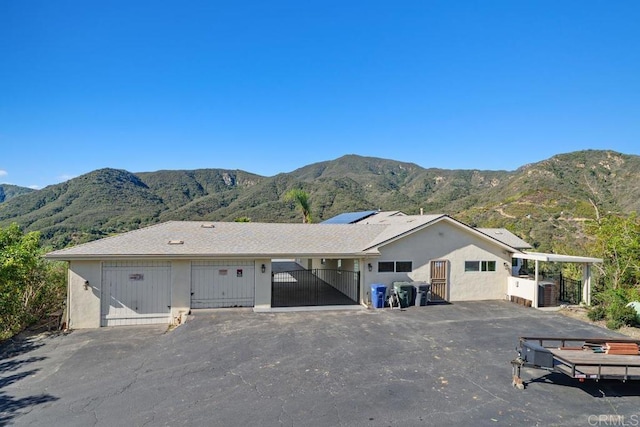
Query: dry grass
[(581, 313)]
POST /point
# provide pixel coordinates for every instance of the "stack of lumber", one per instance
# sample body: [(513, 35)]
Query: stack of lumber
[(629, 348)]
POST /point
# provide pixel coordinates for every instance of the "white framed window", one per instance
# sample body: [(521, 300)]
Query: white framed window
[(471, 266), (395, 266)]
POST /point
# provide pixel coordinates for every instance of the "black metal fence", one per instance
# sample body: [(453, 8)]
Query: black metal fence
[(570, 290), (298, 288)]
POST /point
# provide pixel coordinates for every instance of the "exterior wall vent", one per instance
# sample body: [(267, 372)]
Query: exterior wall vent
[(176, 242), (208, 226)]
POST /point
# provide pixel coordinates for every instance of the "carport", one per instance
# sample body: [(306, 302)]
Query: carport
[(528, 288), (294, 286)]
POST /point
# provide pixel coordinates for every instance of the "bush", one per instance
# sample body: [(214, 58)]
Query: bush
[(30, 287), (614, 324), (597, 313), (622, 315)]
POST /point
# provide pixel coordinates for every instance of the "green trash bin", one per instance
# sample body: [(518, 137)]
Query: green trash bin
[(404, 290)]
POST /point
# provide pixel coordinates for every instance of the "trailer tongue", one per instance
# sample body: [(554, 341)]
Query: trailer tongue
[(581, 358)]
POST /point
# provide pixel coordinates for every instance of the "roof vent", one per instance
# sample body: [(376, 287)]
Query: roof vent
[(176, 242), (208, 226)]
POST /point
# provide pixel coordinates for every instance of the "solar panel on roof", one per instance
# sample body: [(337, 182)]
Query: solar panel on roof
[(349, 217)]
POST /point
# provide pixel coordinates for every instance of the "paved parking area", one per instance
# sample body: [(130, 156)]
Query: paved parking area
[(435, 365)]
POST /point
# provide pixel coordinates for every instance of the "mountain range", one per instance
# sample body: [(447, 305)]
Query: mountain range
[(546, 203)]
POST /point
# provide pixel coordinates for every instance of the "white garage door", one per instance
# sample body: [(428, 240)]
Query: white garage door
[(222, 284), (136, 293)]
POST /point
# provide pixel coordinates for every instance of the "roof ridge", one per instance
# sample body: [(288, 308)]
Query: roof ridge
[(66, 249)]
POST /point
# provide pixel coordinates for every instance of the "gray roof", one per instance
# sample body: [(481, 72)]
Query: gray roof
[(249, 239), (191, 239), (506, 237), (397, 226)]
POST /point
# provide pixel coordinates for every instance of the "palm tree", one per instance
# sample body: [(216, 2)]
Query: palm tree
[(301, 199)]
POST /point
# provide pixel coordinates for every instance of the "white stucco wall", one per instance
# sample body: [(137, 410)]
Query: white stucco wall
[(84, 301), (444, 241), (263, 284), (180, 289)]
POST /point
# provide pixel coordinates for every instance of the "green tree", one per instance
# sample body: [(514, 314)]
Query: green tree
[(30, 286), (617, 242), (616, 239), (301, 199)]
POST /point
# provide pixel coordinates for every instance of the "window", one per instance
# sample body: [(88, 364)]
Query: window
[(479, 266), (397, 266), (404, 267), (472, 266), (488, 266), (385, 267)]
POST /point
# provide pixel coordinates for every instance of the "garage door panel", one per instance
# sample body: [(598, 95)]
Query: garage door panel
[(215, 284), (136, 293)]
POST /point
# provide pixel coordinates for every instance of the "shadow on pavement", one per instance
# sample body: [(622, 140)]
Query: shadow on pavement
[(602, 388), (11, 406)]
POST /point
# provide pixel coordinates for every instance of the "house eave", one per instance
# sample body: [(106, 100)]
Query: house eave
[(100, 257), (547, 257)]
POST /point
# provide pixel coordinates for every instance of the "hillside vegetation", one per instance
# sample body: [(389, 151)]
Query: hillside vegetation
[(546, 203), (8, 191)]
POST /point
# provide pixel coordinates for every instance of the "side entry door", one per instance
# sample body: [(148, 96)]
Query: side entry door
[(439, 275)]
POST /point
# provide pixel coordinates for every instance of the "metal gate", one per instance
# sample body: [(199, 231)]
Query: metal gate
[(135, 293), (570, 290), (315, 287), (439, 280)]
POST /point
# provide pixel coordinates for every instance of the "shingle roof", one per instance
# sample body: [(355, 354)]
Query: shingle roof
[(195, 238), (248, 239), (397, 225), (505, 236)]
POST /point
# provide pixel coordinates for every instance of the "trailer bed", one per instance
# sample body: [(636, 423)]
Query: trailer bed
[(581, 358), (585, 364)]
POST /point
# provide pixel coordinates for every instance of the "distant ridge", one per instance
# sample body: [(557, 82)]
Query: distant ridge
[(546, 203), (8, 191)]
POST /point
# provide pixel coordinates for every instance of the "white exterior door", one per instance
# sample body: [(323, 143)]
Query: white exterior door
[(222, 284), (135, 293)]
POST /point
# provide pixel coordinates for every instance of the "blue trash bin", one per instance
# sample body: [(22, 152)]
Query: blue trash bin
[(378, 295)]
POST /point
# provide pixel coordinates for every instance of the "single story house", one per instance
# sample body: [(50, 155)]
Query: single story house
[(159, 273)]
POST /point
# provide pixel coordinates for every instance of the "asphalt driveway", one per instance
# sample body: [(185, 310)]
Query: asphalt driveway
[(435, 365)]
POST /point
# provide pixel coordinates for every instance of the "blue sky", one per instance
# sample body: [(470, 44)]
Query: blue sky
[(268, 87)]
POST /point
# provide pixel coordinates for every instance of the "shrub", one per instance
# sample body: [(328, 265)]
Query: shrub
[(620, 315), (614, 324), (30, 287), (597, 313)]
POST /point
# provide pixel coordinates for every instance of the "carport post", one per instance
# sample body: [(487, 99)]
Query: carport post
[(535, 285), (586, 283)]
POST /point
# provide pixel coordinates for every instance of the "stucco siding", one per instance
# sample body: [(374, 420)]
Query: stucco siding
[(263, 284), (180, 289), (443, 241), (84, 287)]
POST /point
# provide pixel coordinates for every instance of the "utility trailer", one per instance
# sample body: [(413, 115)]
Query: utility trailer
[(580, 358)]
